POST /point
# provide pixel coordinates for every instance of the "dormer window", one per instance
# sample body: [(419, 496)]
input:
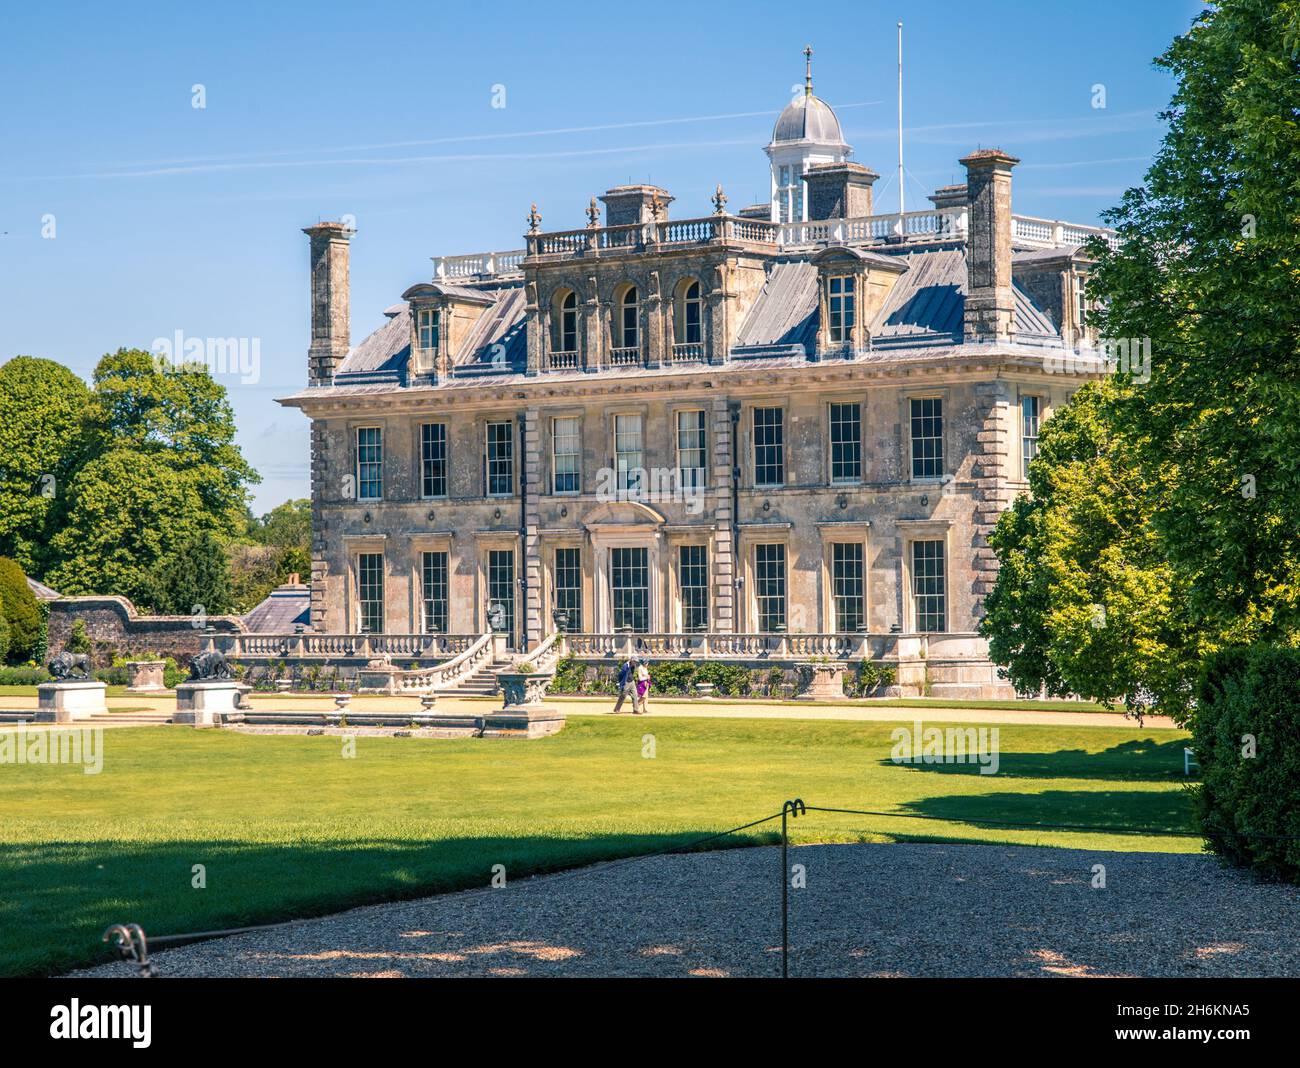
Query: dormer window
[(629, 331), (688, 313), (567, 323), (430, 324), (840, 302)]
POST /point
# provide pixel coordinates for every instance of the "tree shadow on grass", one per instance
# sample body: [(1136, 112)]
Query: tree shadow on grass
[(1149, 812), (60, 896), (1135, 760)]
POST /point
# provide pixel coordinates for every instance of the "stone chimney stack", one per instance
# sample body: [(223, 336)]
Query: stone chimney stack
[(990, 300), (329, 299), (839, 190), (628, 204)]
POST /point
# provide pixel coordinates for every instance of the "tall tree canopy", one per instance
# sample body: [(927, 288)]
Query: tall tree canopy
[(145, 474), (45, 413), (1174, 503), (181, 415)]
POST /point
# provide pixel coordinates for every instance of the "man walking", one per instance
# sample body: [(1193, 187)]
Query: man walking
[(625, 680)]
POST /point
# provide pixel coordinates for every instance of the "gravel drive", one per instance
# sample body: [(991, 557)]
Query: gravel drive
[(867, 910)]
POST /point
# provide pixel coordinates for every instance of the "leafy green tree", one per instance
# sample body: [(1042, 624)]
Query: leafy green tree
[(1085, 601), (195, 578), (128, 514), (180, 415), (1165, 521), (1209, 270), (44, 409), (20, 609), (277, 545)]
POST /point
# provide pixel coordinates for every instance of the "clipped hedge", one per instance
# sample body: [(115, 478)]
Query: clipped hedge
[(21, 611), (1246, 732)]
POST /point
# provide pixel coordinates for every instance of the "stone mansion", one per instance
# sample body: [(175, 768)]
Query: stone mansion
[(800, 418)]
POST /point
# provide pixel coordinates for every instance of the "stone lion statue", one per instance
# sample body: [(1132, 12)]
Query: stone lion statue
[(211, 665), (70, 666)]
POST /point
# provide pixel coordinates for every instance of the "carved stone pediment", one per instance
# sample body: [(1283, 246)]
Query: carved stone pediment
[(622, 514)]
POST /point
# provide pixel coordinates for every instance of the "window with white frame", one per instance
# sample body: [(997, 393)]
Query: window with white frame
[(430, 320), (840, 306), (690, 449), (847, 585), (846, 442), (789, 193), (629, 452), (693, 586), (929, 587), (769, 446), (501, 591), (433, 460), (769, 586), (370, 592), (1031, 410), (629, 577), (433, 590), (566, 454), (499, 456), (568, 586), (370, 463), (927, 437)]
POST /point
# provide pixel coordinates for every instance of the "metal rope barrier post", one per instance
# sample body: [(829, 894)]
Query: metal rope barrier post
[(790, 808)]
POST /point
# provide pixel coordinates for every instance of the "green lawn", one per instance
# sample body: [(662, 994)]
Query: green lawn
[(287, 827)]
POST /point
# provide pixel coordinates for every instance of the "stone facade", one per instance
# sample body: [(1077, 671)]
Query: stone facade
[(804, 406)]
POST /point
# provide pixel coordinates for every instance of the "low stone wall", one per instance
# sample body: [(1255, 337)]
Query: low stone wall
[(117, 629)]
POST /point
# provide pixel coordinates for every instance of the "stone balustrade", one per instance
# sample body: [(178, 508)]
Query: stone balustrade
[(928, 225)]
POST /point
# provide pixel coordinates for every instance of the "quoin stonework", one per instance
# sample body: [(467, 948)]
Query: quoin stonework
[(773, 433)]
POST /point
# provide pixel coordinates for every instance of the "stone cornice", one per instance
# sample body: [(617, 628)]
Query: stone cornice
[(962, 363)]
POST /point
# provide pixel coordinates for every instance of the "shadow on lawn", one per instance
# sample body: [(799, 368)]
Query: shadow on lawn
[(1136, 760), (60, 896), (1155, 811)]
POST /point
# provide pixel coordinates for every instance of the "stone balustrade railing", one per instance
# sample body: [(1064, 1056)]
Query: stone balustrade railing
[(361, 647), (544, 654), (446, 675), (913, 226), (711, 645)]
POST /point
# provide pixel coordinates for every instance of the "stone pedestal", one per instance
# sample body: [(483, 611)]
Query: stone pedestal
[(145, 676), (827, 682), (523, 709), (207, 702), (68, 700), (380, 676)]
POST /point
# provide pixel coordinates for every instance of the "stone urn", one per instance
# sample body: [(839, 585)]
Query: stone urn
[(524, 689), (523, 712), (145, 676), (826, 680)]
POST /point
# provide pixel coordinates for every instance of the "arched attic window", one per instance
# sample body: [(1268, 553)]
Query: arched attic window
[(564, 321)]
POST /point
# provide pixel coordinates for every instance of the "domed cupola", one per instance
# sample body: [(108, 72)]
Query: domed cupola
[(806, 133)]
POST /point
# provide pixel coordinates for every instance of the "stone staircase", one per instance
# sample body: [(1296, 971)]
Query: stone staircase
[(483, 683)]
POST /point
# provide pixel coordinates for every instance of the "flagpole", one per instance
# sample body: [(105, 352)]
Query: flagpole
[(901, 206)]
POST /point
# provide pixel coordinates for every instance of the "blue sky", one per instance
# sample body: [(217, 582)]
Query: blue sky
[(173, 218)]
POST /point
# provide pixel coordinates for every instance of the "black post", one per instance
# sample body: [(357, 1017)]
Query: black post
[(790, 808), (785, 895)]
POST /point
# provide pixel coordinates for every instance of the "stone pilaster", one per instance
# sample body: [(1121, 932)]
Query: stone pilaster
[(532, 527), (991, 473), (723, 570), (319, 534)]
